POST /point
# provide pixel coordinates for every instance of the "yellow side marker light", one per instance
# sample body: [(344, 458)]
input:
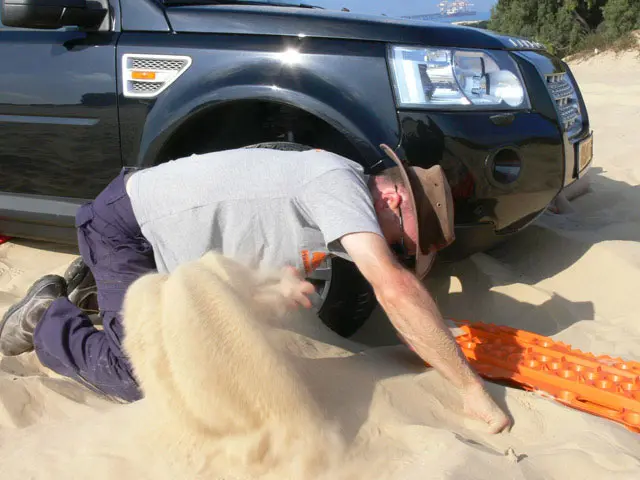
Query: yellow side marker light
[(139, 75)]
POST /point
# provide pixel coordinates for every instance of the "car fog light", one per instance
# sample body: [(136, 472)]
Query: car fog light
[(505, 166)]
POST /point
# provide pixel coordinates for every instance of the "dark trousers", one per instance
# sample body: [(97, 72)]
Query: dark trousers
[(66, 341)]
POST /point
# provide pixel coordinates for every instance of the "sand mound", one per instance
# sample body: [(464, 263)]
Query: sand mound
[(313, 393)]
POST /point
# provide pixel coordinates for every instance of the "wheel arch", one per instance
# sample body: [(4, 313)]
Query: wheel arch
[(161, 130)]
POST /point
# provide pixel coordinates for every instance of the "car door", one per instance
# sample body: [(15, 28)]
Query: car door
[(59, 133)]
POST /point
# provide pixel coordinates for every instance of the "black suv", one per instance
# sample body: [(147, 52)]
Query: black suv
[(90, 86)]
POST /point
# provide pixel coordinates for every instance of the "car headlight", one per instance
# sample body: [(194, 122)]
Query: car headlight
[(467, 79)]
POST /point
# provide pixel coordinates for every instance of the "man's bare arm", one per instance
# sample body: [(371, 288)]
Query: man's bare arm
[(410, 307), (413, 312)]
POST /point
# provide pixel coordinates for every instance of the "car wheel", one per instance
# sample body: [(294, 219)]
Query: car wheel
[(347, 299)]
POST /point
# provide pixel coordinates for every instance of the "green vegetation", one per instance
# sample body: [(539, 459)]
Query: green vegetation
[(569, 26)]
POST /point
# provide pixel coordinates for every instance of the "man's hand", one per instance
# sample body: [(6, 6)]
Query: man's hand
[(480, 406), (415, 316), (295, 288), (290, 290)]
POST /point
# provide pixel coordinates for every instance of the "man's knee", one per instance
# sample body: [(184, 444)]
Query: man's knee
[(67, 342)]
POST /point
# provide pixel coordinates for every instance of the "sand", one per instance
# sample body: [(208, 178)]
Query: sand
[(364, 405)]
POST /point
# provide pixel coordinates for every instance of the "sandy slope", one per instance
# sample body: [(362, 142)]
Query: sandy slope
[(573, 276)]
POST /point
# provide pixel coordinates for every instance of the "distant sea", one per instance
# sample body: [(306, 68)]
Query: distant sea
[(480, 16)]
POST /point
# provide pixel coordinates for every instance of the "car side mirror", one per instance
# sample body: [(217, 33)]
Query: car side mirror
[(51, 14)]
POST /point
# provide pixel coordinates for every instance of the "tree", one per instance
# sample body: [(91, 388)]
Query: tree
[(559, 24), (621, 17), (562, 25)]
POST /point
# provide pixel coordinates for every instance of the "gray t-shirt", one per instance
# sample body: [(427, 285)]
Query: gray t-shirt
[(264, 207)]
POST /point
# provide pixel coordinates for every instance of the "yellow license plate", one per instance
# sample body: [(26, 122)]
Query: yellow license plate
[(585, 153)]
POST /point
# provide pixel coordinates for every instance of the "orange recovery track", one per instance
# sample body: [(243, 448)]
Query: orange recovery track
[(600, 385)]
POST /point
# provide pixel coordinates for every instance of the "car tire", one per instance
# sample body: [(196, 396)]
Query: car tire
[(347, 297)]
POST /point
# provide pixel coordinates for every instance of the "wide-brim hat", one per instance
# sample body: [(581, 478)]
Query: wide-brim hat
[(432, 203)]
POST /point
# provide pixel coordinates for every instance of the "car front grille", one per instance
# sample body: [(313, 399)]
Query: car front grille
[(566, 100)]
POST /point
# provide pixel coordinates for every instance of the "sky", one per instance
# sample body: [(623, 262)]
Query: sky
[(397, 7)]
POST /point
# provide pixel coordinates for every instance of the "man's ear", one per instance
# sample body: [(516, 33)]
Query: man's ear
[(390, 197)]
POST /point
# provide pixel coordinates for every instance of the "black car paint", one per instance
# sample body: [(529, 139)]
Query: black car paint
[(142, 16), (83, 137), (293, 22), (58, 102), (463, 143), (327, 82)]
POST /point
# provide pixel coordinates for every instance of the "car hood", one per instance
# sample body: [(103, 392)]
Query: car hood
[(302, 22)]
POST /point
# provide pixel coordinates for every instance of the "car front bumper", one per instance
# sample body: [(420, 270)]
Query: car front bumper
[(475, 149)]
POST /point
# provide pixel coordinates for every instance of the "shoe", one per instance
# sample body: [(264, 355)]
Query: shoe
[(81, 285), (19, 322), (75, 273)]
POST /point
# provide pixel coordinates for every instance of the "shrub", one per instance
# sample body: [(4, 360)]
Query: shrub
[(621, 17), (567, 26)]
